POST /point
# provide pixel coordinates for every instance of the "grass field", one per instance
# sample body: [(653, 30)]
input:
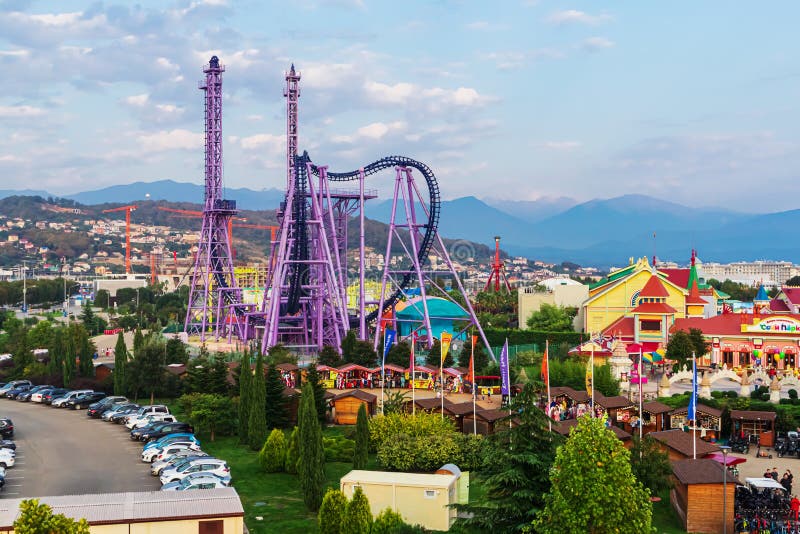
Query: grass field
[(665, 521)]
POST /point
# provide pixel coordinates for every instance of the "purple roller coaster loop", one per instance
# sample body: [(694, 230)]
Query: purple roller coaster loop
[(213, 286)]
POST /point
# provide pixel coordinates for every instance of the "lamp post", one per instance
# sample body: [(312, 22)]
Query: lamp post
[(724, 449)]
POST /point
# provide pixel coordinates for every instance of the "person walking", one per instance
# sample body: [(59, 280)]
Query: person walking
[(795, 506), (775, 473)]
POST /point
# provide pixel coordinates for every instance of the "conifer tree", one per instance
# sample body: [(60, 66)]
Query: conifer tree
[(275, 402), (257, 426), (273, 454), (331, 513), (311, 463), (293, 452), (361, 453), (120, 363), (68, 369), (245, 387), (138, 341), (56, 350), (313, 378), (357, 514)]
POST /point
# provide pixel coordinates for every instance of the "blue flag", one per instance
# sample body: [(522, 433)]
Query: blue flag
[(691, 414), (505, 386), (388, 341)]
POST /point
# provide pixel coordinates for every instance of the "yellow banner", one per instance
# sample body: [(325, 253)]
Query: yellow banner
[(445, 339)]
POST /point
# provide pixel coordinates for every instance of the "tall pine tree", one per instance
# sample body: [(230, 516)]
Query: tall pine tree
[(57, 352), (312, 377), (257, 425), (275, 402), (245, 387), (120, 363), (361, 453), (311, 464), (68, 369), (138, 341)]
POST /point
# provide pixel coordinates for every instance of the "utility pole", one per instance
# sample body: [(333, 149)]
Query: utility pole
[(24, 288)]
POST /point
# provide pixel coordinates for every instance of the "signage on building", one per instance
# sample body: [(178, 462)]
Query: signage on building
[(773, 325)]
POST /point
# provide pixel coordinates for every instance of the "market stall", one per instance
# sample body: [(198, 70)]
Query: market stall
[(755, 423), (424, 377), (355, 376), (327, 376), (709, 421)]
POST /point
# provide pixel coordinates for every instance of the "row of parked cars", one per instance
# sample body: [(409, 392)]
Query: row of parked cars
[(170, 446), (8, 448)]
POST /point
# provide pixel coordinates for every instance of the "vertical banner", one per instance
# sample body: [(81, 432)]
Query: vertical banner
[(505, 386), (546, 371), (691, 413), (388, 340), (445, 340), (589, 375), (471, 372)]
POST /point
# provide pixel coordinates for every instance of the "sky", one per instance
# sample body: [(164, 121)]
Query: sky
[(694, 102)]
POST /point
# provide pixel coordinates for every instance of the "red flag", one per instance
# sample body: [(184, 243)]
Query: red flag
[(472, 361), (545, 369)]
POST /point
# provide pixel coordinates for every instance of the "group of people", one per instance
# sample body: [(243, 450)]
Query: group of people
[(785, 480)]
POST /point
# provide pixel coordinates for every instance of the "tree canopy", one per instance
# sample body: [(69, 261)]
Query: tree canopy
[(551, 318)]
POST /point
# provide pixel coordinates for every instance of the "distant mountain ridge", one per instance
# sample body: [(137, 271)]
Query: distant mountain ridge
[(599, 232)]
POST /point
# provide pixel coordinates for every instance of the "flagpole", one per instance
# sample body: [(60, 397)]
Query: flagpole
[(640, 397), (413, 374), (591, 340), (547, 382), (694, 399), (383, 371), (472, 360)]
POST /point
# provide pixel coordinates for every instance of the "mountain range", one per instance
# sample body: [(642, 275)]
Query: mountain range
[(600, 232)]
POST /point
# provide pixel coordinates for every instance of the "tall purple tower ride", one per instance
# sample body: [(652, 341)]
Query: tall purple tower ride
[(213, 290)]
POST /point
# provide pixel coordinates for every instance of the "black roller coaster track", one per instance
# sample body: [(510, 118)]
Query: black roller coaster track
[(431, 226)]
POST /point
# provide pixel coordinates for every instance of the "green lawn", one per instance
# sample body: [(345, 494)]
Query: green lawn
[(275, 498), (665, 521)]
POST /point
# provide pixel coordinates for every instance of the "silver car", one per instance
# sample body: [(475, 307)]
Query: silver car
[(198, 465), (155, 453), (170, 461), (197, 481)]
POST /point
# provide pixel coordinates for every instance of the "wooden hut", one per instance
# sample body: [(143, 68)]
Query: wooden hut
[(619, 409), (678, 444), (655, 417), (708, 424), (484, 420), (697, 493), (327, 376), (428, 405), (457, 412), (755, 423), (564, 427), (345, 406)]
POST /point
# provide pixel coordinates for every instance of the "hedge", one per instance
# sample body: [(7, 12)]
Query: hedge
[(498, 336)]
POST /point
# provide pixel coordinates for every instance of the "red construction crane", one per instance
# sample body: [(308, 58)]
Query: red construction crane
[(498, 270), (231, 224), (127, 210)]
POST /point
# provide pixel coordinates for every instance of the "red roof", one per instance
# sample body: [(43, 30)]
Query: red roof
[(679, 277), (654, 288), (654, 307), (778, 305), (694, 295), (719, 325), (622, 327), (792, 294)]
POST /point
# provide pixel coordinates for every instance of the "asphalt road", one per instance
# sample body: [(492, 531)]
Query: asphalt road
[(64, 452)]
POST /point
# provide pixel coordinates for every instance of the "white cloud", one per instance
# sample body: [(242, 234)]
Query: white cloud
[(8, 158), (177, 139), (20, 111), (371, 132), (137, 100), (596, 43), (398, 93), (561, 145), (406, 93), (271, 143), (15, 53), (573, 16)]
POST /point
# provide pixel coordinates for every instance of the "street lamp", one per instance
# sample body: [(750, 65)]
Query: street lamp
[(724, 449)]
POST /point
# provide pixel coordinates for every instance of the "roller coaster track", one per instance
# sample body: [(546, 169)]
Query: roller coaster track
[(431, 226)]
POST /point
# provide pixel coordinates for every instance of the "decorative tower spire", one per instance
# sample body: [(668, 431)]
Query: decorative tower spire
[(498, 271), (292, 94)]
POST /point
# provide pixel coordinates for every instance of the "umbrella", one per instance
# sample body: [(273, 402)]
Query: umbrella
[(729, 460), (653, 357)]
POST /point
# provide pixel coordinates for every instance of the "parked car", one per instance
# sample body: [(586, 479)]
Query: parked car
[(50, 395), (121, 416), (137, 432), (98, 408), (6, 428), (119, 409), (7, 458), (198, 465), (158, 466), (62, 401), (166, 430), (26, 395), (147, 420), (12, 393), (83, 401), (172, 438), (143, 412), (150, 455), (8, 444), (11, 385), (197, 481)]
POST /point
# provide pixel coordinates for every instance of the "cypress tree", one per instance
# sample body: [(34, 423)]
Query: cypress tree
[(120, 362), (273, 454), (361, 454), (138, 341), (311, 463), (245, 387), (68, 369), (257, 426), (275, 411), (56, 352), (293, 452), (331, 514), (357, 515), (85, 349), (312, 376)]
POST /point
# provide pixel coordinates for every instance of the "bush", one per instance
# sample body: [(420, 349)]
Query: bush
[(388, 522), (331, 513), (470, 449), (273, 454), (382, 428), (357, 515), (339, 449), (418, 453), (792, 393), (292, 452)]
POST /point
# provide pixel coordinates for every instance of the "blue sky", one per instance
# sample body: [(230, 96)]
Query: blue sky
[(695, 102)]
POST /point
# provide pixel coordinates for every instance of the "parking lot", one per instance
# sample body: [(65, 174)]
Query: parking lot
[(64, 452)]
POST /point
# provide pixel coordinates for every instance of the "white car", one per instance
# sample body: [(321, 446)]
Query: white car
[(197, 481), (169, 461), (7, 458), (155, 453), (139, 422), (144, 411), (197, 465)]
